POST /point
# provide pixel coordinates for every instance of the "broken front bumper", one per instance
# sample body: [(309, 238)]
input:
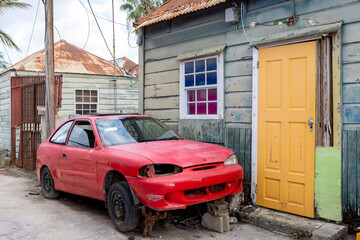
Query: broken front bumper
[(192, 186)]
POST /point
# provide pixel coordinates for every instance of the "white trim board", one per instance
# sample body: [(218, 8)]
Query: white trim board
[(254, 125)]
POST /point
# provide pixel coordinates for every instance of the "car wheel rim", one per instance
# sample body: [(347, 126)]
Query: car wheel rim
[(118, 207), (47, 182)]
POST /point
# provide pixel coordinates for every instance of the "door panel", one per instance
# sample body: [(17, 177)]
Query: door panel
[(286, 144)]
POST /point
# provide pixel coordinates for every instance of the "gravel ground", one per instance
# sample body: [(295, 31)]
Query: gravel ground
[(26, 214)]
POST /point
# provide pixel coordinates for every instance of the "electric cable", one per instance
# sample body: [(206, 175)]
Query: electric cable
[(88, 20), (107, 46), (7, 54), (32, 31), (122, 24), (242, 20)]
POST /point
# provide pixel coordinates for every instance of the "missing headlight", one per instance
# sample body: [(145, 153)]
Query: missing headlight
[(159, 170)]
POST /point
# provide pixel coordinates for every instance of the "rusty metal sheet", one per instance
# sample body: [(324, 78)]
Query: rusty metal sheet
[(173, 9), (68, 59)]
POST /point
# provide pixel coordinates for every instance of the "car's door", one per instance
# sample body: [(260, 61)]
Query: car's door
[(78, 160)]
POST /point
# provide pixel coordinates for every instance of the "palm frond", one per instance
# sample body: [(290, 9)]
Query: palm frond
[(7, 5), (3, 63), (7, 40)]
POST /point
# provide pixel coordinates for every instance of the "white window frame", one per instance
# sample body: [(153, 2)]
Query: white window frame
[(97, 101), (219, 86)]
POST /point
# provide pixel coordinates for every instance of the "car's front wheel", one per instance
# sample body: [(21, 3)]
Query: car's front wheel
[(123, 212), (47, 184)]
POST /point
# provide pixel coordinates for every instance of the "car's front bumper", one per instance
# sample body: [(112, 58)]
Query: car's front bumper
[(188, 187)]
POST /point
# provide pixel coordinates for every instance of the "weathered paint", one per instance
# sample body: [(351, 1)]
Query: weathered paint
[(350, 174), (194, 32), (202, 130), (5, 115), (127, 92), (328, 183)]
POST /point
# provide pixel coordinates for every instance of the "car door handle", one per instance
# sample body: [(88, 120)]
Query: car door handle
[(64, 156)]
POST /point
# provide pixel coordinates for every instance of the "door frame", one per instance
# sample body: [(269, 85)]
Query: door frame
[(336, 94)]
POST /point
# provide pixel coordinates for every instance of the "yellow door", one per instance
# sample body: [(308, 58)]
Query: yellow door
[(286, 141)]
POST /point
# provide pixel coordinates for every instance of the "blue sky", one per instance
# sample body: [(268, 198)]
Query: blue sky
[(70, 18)]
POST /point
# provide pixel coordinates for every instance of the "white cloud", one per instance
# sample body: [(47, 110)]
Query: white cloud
[(70, 18)]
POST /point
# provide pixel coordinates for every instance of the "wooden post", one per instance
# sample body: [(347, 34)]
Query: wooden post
[(49, 66)]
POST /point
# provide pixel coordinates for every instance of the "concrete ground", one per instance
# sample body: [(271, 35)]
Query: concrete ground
[(26, 214)]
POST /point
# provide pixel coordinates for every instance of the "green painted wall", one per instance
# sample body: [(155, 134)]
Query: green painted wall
[(328, 183)]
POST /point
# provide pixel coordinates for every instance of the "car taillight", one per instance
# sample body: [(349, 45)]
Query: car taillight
[(159, 170)]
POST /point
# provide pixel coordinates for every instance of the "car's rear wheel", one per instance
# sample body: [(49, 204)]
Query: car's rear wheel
[(47, 184), (123, 212)]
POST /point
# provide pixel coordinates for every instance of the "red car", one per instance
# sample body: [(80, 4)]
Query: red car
[(133, 160)]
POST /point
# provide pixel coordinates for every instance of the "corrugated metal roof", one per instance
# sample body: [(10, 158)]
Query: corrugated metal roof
[(173, 9), (68, 59)]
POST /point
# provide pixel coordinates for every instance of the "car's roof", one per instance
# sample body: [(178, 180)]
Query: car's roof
[(109, 115)]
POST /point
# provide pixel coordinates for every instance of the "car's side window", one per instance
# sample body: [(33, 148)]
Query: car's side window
[(60, 135), (82, 135)]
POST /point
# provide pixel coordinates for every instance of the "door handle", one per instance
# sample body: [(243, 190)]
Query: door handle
[(311, 123), (63, 156)]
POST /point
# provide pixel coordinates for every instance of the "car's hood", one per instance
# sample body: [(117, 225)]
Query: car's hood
[(184, 153)]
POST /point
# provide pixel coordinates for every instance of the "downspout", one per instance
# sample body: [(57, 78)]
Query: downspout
[(141, 75)]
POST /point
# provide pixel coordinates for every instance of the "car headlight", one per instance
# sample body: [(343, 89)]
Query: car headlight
[(159, 170), (232, 160)]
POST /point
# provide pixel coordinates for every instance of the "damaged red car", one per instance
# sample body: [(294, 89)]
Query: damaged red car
[(134, 160)]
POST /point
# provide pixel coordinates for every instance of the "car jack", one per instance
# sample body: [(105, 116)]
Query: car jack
[(151, 217)]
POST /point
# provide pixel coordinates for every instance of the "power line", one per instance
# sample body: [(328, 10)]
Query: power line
[(87, 14), (97, 23), (32, 31), (7, 53), (122, 24)]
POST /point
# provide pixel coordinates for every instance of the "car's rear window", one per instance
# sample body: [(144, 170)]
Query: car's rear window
[(125, 130)]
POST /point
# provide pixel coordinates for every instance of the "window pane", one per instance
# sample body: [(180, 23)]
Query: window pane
[(212, 108), (189, 80), (211, 78), (86, 106), (94, 99), (200, 66), (87, 93), (61, 134), (78, 112), (201, 108), (86, 99), (200, 79), (191, 96), (78, 106), (93, 106), (189, 67), (78, 92), (93, 93), (201, 95), (211, 64), (212, 94), (78, 99), (191, 108)]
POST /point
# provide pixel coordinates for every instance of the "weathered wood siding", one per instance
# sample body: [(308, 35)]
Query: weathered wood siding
[(350, 178), (5, 114), (127, 92), (207, 28)]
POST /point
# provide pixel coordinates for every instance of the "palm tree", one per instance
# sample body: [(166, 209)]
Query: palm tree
[(5, 6), (138, 8), (3, 63)]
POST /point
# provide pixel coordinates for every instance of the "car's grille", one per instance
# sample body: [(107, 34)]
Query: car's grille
[(193, 193)]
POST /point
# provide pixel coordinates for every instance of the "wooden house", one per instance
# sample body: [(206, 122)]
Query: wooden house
[(276, 81), (84, 84)]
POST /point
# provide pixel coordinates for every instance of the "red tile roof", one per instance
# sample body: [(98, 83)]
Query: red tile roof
[(68, 59), (173, 9)]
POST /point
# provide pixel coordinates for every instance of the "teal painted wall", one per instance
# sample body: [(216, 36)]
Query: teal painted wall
[(164, 41), (328, 183)]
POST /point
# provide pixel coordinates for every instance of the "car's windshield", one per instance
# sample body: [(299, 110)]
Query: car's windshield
[(124, 130)]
